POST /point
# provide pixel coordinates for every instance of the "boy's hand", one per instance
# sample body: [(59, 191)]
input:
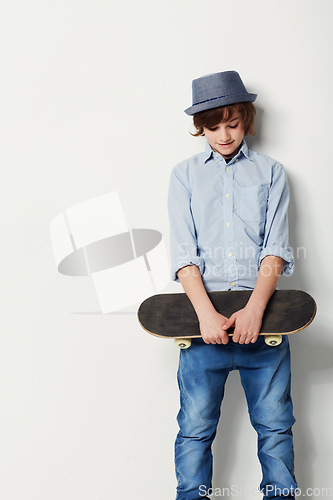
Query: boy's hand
[(247, 324), (211, 328)]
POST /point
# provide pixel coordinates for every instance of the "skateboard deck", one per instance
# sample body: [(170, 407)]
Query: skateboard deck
[(171, 315)]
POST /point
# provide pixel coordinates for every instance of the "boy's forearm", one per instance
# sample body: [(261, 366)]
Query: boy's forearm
[(191, 280), (246, 321), (268, 277)]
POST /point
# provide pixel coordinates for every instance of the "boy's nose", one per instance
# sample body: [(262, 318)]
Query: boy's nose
[(224, 136)]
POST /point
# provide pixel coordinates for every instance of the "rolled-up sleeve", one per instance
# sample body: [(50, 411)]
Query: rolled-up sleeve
[(183, 239), (276, 238)]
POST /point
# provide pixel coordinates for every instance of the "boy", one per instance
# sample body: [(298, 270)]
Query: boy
[(229, 231)]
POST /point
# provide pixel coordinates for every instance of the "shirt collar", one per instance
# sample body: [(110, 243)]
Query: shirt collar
[(208, 153)]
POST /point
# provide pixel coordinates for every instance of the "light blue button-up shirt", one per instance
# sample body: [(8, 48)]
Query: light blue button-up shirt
[(226, 217)]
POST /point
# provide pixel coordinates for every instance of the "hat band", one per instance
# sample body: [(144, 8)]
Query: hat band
[(220, 97)]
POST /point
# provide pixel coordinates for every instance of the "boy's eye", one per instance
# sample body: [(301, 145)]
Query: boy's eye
[(213, 129)]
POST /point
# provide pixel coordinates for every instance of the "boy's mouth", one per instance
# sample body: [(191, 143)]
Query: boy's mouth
[(226, 144)]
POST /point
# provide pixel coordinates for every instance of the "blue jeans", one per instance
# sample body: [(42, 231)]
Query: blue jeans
[(265, 377)]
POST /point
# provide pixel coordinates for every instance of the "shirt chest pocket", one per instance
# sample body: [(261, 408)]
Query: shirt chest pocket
[(253, 202)]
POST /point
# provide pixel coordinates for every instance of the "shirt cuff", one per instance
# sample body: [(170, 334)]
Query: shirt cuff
[(284, 253), (195, 261)]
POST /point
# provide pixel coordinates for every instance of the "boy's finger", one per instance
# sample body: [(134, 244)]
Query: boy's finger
[(229, 323), (236, 335), (225, 337)]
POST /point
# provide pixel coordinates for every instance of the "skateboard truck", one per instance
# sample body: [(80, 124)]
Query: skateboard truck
[(272, 340), (183, 343)]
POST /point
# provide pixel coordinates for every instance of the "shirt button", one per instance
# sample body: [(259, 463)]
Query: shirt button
[(228, 168), (227, 195), (230, 254), (233, 284), (237, 159), (228, 224)]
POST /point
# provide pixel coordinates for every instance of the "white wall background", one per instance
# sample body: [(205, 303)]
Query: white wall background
[(92, 98)]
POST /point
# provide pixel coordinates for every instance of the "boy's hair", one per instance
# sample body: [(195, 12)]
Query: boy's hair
[(212, 117)]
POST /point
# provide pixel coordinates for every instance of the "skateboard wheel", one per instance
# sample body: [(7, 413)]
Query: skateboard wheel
[(183, 343), (273, 340)]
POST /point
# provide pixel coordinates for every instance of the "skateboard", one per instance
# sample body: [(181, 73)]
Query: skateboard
[(171, 315)]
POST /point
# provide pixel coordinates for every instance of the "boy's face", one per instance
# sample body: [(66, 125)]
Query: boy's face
[(226, 137)]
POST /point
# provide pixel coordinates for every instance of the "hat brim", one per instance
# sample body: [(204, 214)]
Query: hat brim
[(221, 101)]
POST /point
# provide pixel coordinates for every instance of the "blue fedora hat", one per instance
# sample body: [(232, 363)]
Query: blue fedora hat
[(218, 89)]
